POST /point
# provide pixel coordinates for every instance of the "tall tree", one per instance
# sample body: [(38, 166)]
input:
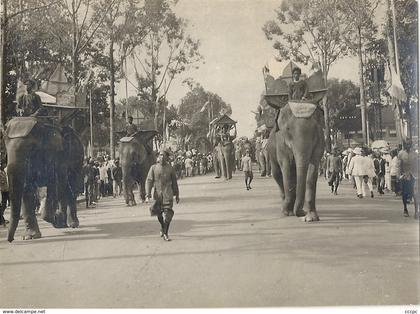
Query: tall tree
[(198, 107), (358, 15), (118, 27), (343, 96), (309, 31), (166, 52), (12, 56)]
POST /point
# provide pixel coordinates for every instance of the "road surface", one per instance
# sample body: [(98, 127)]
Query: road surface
[(230, 248)]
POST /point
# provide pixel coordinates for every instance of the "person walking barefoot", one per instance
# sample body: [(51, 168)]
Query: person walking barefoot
[(246, 165)]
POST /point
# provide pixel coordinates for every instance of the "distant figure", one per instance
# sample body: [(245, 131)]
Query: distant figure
[(246, 165), (130, 128), (30, 104), (298, 89), (408, 177), (334, 171)]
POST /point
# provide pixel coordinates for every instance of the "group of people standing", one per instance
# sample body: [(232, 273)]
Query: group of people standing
[(395, 171), (102, 178)]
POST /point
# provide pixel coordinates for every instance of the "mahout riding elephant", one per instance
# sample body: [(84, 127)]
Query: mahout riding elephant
[(295, 151), (32, 150), (136, 157)]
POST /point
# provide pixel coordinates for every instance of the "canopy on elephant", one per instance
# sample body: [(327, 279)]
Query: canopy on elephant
[(276, 93)]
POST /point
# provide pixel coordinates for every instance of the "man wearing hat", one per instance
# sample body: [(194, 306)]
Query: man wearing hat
[(163, 178)]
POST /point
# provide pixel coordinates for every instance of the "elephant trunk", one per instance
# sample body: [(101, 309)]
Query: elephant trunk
[(301, 174)]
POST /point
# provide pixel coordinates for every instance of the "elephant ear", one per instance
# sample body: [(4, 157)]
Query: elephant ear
[(145, 136)]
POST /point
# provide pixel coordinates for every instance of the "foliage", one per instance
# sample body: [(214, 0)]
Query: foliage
[(192, 104), (357, 15), (167, 51), (308, 31), (343, 96)]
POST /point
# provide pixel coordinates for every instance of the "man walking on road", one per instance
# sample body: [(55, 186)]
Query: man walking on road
[(409, 172), (334, 170), (246, 166), (163, 178)]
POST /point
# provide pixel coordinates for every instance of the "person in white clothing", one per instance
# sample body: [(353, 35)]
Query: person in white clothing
[(394, 172), (359, 168), (369, 167), (103, 178)]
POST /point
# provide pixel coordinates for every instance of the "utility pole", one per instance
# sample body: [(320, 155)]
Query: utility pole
[(126, 90), (394, 65), (91, 122), (3, 22)]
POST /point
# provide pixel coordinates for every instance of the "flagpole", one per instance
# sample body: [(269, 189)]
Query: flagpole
[(126, 91), (393, 65), (397, 63)]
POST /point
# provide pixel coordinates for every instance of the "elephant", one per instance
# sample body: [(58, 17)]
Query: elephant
[(37, 155), (69, 169), (226, 156), (136, 156), (295, 150)]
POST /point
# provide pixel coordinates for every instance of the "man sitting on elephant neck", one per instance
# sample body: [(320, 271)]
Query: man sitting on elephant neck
[(130, 128), (298, 89), (30, 104)]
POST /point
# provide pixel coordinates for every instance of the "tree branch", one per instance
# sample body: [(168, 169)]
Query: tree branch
[(30, 9)]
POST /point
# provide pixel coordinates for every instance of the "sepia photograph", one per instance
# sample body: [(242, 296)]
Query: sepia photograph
[(209, 155)]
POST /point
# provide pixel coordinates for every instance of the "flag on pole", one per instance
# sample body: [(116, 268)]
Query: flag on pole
[(396, 90), (204, 106)]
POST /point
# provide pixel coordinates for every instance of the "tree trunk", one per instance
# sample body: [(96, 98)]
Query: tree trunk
[(112, 98), (326, 117), (362, 88)]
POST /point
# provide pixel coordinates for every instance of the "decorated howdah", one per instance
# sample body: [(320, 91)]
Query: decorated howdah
[(277, 89)]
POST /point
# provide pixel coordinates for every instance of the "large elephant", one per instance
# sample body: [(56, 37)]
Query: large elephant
[(295, 151), (69, 172), (32, 151), (226, 154), (136, 156)]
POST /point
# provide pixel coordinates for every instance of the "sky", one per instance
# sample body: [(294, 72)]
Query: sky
[(235, 49)]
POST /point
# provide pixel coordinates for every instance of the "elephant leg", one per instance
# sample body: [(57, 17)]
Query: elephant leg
[(216, 165), (310, 196), (142, 190), (16, 183), (223, 165), (48, 214), (131, 191), (267, 162), (228, 161), (289, 184), (127, 186), (262, 165), (278, 177), (301, 171), (29, 217), (72, 220)]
